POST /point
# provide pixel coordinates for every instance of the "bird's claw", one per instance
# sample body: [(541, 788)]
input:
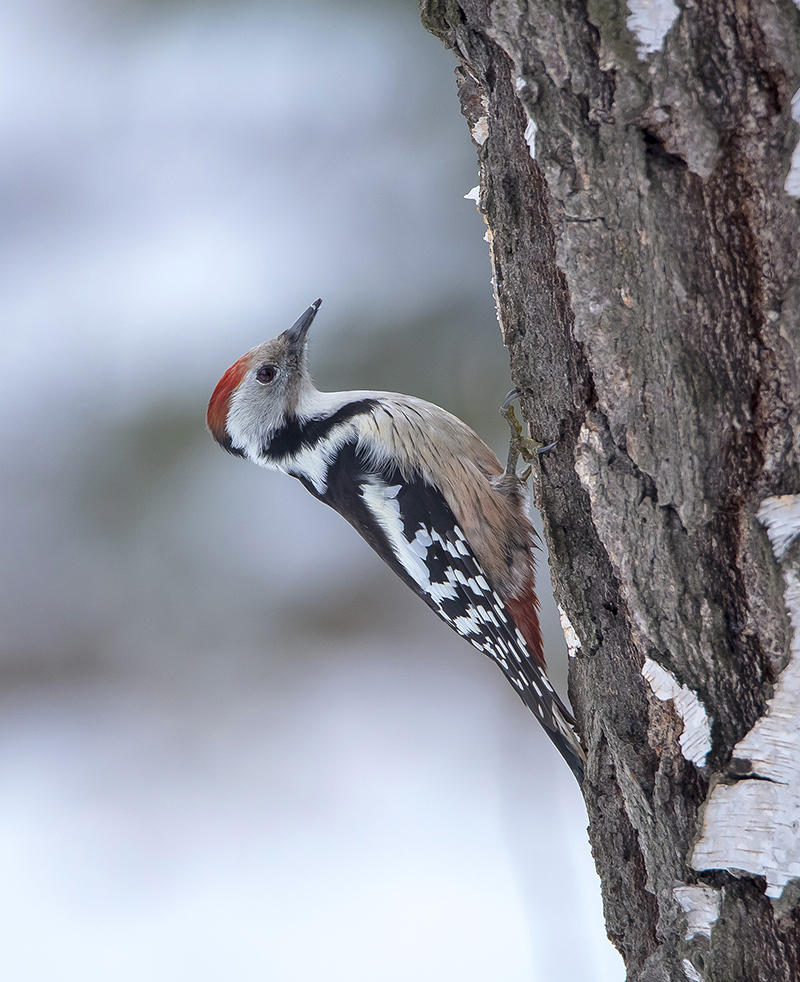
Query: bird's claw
[(511, 396), (520, 446)]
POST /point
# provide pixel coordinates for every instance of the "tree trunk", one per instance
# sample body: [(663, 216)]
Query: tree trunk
[(634, 178)]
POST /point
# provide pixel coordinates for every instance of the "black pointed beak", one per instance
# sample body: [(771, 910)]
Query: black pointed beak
[(296, 335)]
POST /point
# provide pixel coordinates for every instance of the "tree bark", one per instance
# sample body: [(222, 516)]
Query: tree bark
[(645, 260)]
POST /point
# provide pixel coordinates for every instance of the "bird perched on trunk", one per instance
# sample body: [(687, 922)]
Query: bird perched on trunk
[(421, 487)]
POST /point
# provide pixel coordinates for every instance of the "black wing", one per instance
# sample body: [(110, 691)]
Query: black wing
[(412, 528)]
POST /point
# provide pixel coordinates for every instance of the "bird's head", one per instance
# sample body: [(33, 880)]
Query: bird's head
[(261, 390)]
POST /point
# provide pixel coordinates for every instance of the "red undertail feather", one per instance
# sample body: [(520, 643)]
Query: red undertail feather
[(217, 412), (524, 609)]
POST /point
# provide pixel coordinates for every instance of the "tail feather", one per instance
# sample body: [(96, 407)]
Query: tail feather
[(557, 721)]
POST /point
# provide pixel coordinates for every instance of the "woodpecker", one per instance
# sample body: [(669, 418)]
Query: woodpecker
[(420, 487)]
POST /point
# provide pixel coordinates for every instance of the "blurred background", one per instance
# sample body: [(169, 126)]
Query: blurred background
[(232, 744)]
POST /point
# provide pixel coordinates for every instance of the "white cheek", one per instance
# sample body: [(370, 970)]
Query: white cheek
[(241, 429), (253, 414), (236, 430)]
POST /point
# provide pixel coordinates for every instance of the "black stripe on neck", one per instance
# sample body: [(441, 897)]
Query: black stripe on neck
[(227, 444), (295, 436)]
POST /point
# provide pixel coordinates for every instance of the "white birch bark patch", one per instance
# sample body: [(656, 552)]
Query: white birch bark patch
[(792, 185), (530, 137), (690, 971), (570, 634), (781, 516), (754, 825), (696, 737), (650, 21), (700, 903)]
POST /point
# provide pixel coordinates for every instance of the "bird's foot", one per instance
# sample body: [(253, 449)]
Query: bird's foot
[(520, 446)]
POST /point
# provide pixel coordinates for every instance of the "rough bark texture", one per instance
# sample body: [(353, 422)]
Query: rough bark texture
[(648, 289)]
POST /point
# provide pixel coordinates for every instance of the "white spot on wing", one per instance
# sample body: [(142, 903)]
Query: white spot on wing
[(382, 502), (441, 591), (421, 542), (467, 624)]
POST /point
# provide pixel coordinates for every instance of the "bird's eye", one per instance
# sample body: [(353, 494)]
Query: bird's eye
[(266, 374)]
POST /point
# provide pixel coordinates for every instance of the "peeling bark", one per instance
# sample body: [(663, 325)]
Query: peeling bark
[(635, 181)]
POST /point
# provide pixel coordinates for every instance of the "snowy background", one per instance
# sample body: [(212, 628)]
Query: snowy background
[(232, 744)]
